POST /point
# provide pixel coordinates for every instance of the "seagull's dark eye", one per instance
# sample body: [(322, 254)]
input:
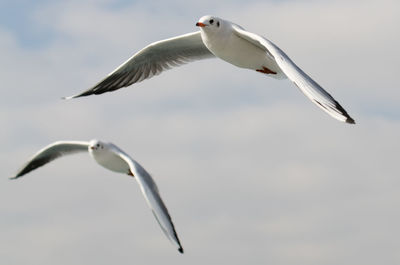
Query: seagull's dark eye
[(211, 21)]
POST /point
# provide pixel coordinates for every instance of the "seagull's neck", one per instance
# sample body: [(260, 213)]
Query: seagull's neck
[(216, 40)]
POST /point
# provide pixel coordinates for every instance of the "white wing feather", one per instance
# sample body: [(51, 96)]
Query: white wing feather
[(153, 199), (51, 152), (307, 85), (152, 60)]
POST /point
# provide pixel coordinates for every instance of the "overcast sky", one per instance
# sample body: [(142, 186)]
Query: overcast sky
[(252, 172)]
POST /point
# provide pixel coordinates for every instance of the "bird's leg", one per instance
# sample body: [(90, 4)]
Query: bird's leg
[(265, 70)]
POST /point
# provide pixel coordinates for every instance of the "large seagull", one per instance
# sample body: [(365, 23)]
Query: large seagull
[(228, 41)]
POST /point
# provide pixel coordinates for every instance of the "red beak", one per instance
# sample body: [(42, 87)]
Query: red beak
[(199, 24)]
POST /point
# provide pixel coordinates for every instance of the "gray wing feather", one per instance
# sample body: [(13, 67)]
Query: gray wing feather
[(51, 152), (152, 195), (151, 61)]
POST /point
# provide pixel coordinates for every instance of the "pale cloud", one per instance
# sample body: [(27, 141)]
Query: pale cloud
[(251, 171)]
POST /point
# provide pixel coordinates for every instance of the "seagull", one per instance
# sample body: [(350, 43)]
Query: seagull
[(113, 158), (228, 41)]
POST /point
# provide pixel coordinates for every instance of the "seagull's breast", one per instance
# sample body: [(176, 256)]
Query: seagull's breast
[(239, 52), (111, 161)]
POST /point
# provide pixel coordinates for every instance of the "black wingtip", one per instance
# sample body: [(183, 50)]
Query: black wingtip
[(350, 120), (12, 178), (180, 249)]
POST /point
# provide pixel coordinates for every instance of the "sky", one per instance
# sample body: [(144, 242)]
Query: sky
[(251, 171)]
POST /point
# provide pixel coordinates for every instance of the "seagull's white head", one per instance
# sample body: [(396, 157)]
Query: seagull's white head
[(210, 23), (96, 145)]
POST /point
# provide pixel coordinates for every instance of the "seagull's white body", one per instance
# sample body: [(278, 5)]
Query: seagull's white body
[(227, 41), (242, 54), (113, 158), (110, 158)]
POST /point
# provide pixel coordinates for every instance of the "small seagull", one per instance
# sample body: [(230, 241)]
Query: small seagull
[(228, 41), (113, 158)]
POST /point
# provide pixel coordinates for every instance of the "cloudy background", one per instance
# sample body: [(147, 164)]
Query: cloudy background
[(251, 171)]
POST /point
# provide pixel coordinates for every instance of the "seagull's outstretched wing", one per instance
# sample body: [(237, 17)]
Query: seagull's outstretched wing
[(51, 152), (153, 198), (307, 85), (152, 60)]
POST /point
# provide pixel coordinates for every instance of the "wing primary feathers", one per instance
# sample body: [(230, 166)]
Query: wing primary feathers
[(50, 153), (151, 61), (31, 166)]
